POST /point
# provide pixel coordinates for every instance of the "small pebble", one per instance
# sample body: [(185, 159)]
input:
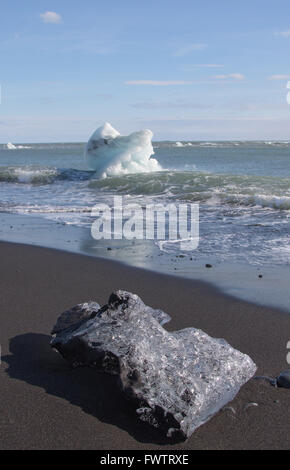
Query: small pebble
[(230, 408), (250, 404), (208, 265), (260, 276)]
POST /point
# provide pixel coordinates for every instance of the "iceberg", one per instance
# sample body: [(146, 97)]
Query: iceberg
[(180, 144), (10, 146), (175, 381), (110, 154)]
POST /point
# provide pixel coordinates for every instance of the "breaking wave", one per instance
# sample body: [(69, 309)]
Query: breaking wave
[(215, 189), (38, 176), (192, 186)]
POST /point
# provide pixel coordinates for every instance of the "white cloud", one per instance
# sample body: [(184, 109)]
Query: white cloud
[(156, 82), (51, 17), (234, 76), (182, 104), (193, 67), (100, 47), (205, 65), (280, 77), (189, 48), (285, 34)]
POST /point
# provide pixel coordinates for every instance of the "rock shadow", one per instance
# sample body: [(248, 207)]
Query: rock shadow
[(33, 361)]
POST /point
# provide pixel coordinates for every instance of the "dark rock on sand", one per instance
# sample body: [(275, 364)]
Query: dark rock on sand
[(174, 380), (208, 265), (283, 380)]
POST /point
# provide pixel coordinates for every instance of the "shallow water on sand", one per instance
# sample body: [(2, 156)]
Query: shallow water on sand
[(268, 285)]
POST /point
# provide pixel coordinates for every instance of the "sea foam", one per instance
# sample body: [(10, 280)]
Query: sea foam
[(110, 154)]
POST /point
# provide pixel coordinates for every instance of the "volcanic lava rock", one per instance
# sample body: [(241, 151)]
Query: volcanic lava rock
[(175, 380)]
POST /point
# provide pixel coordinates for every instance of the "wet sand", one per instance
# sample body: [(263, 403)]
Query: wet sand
[(46, 405)]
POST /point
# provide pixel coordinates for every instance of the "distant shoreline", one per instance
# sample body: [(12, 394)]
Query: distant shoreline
[(155, 141)]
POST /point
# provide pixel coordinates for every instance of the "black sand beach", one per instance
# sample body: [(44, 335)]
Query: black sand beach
[(46, 405)]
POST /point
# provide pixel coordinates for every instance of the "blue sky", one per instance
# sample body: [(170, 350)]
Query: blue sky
[(186, 69)]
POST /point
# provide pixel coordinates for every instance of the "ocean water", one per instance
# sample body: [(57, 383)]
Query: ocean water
[(243, 190)]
